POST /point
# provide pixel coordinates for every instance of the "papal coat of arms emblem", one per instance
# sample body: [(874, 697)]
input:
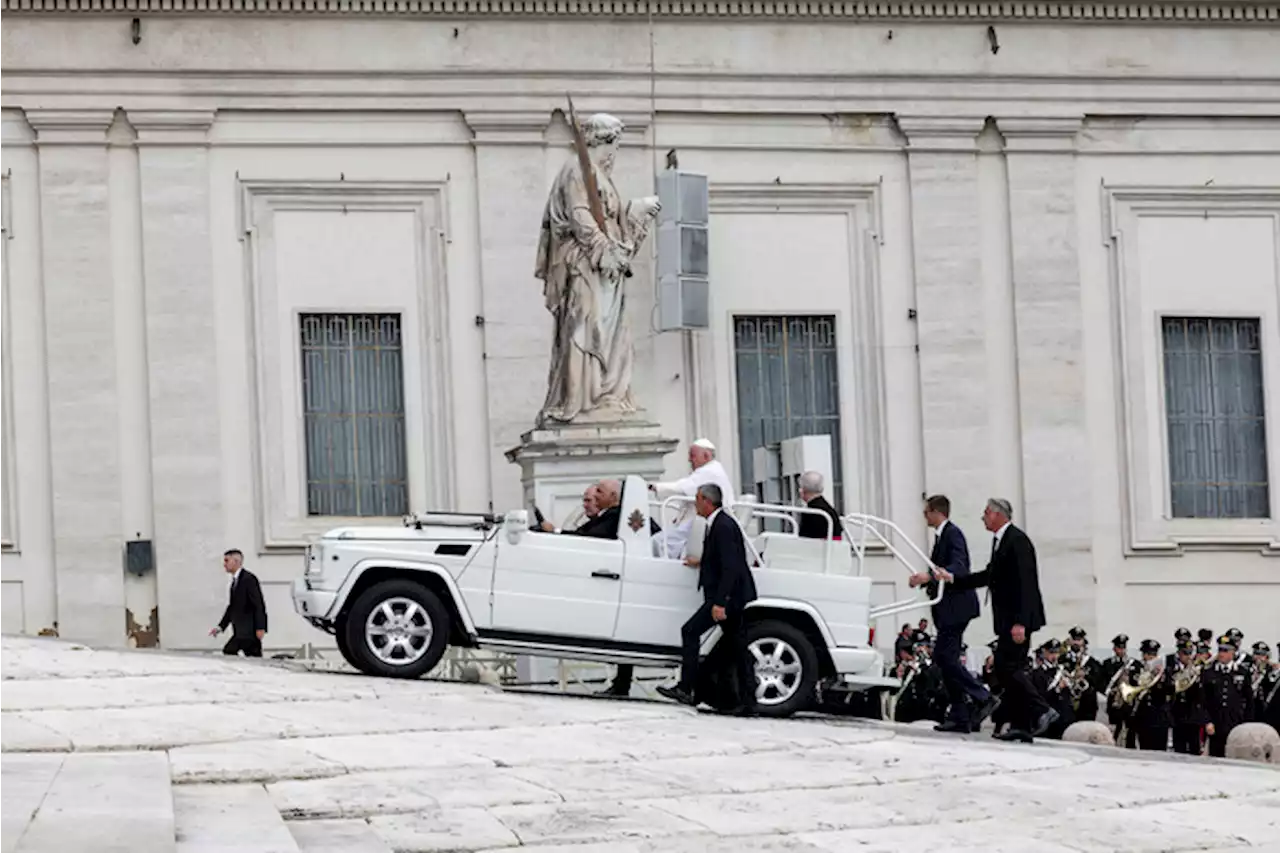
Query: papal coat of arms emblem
[(636, 521)]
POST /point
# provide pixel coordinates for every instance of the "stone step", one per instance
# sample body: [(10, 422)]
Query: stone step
[(229, 819), (337, 836), (103, 802)]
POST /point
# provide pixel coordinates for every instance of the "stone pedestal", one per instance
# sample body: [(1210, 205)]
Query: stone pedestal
[(557, 463)]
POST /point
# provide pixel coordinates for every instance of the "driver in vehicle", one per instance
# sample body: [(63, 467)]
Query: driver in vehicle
[(590, 508)]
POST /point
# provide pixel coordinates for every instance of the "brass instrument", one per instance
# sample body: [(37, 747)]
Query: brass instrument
[(1185, 678), (1130, 694), (1078, 681)]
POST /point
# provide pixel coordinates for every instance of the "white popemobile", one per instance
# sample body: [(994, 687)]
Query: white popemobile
[(396, 597)]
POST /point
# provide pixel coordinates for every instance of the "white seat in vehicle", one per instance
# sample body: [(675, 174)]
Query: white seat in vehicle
[(791, 553)]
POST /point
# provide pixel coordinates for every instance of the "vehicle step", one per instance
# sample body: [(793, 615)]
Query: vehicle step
[(229, 819), (337, 836), (100, 801)]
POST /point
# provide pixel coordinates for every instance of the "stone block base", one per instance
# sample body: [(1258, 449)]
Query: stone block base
[(558, 463)]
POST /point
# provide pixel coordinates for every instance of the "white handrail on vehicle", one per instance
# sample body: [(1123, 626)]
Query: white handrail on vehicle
[(783, 512), (685, 499), (871, 524)]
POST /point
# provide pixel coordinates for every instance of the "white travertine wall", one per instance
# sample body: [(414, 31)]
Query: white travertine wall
[(171, 206)]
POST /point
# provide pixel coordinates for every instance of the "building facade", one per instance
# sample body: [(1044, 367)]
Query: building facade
[(268, 266)]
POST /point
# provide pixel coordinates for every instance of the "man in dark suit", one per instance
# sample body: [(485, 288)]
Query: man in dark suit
[(1017, 613), (246, 612), (815, 526), (727, 588), (952, 615)]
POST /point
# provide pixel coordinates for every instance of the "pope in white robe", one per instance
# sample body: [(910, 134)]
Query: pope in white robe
[(672, 541)]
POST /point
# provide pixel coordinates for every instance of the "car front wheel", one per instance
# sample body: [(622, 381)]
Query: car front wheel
[(786, 667), (396, 629)]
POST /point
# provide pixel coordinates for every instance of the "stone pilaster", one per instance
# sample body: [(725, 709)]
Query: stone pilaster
[(942, 156), (1051, 368), (512, 178), (181, 334), (84, 447)]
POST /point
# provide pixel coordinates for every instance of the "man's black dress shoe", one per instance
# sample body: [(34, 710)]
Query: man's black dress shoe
[(676, 694), (953, 726), (988, 708), (1014, 735), (1047, 719)]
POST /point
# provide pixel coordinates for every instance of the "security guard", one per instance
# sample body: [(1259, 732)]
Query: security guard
[(1109, 675), (1187, 705), (1151, 710), (1226, 694)]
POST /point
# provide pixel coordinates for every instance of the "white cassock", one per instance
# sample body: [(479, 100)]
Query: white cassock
[(678, 534)]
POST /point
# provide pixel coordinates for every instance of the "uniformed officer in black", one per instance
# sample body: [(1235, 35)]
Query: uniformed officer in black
[(1187, 706), (999, 717), (1226, 695), (1086, 706), (1180, 636), (1266, 697), (1108, 677), (1051, 678), (1205, 636), (1150, 721)]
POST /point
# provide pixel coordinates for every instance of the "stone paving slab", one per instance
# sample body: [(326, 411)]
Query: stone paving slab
[(229, 819), (103, 802), (310, 761)]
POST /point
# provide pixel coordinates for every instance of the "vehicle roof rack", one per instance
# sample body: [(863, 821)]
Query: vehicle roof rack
[(475, 520)]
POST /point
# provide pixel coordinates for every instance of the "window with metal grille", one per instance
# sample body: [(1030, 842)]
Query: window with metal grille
[(1217, 427), (788, 386), (353, 413)]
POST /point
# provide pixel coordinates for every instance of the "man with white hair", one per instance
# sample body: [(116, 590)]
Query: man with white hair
[(706, 469), (815, 526)]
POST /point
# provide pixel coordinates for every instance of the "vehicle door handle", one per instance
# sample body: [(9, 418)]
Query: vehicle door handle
[(604, 573)]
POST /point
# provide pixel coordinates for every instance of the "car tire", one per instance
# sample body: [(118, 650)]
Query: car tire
[(788, 676), (344, 648), (397, 629)]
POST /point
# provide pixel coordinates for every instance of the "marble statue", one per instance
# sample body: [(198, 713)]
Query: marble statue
[(585, 270)]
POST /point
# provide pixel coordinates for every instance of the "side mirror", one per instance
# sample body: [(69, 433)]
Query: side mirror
[(516, 523)]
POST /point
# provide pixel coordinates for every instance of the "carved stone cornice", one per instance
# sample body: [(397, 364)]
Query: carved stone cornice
[(942, 134), (70, 127), (502, 127), (171, 127), (1164, 12), (1043, 135)]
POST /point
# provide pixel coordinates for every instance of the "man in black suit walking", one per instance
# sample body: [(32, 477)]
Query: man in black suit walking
[(727, 588), (1017, 613), (952, 615), (246, 612)]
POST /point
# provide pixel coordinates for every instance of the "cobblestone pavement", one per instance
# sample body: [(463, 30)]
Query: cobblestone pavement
[(145, 751)]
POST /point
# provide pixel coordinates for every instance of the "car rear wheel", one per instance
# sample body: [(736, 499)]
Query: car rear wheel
[(397, 629), (786, 667)]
